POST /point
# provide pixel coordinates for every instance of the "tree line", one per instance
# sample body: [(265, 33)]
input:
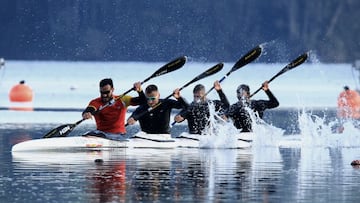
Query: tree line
[(160, 30)]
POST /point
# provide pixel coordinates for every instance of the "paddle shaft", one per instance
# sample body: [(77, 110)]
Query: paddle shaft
[(222, 79), (205, 74), (169, 67), (244, 60), (298, 61)]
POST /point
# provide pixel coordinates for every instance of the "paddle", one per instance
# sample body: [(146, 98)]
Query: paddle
[(197, 139), (247, 58), (64, 130), (205, 74), (169, 67), (244, 60), (298, 61)]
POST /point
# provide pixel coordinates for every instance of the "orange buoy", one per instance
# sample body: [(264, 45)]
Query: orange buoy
[(21, 96)]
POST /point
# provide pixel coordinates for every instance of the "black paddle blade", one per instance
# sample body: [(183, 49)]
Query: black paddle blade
[(61, 131), (247, 58), (169, 67), (298, 61), (205, 74), (211, 71)]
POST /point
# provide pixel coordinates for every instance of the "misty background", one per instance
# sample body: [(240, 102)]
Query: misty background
[(160, 30)]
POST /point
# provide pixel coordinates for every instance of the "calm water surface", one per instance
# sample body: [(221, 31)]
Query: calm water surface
[(259, 174)]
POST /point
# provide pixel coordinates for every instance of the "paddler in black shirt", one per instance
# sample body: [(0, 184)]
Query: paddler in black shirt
[(154, 117), (238, 112), (197, 114)]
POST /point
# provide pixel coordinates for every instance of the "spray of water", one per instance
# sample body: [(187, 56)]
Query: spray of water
[(218, 133), (316, 132), (265, 134)]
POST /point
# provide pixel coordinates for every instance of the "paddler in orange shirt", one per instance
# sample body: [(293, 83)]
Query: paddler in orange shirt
[(348, 104), (348, 107), (110, 120)]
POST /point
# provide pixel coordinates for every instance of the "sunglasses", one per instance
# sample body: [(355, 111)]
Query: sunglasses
[(105, 92), (150, 98)]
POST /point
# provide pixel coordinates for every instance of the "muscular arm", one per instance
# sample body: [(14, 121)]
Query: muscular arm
[(141, 99), (88, 112), (273, 102), (223, 99), (139, 112), (181, 103), (90, 109), (260, 106)]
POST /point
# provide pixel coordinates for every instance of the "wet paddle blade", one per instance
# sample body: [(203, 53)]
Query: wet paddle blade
[(61, 131), (247, 58), (244, 60), (205, 74), (208, 72), (169, 67), (296, 62)]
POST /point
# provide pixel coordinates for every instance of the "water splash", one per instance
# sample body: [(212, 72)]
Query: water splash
[(218, 133), (265, 134), (318, 132), (313, 57)]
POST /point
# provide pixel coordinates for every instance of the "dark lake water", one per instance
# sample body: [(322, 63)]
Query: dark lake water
[(262, 173)]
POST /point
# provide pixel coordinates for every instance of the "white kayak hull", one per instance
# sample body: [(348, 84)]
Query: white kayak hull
[(140, 140)]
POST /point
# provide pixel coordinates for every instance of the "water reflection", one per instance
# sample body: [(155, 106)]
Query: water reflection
[(259, 174), (144, 174)]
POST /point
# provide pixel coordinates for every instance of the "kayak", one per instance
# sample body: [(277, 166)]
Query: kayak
[(68, 159), (139, 140)]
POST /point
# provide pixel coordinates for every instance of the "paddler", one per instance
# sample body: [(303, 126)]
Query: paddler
[(348, 104), (154, 116), (239, 113), (110, 121), (197, 114)]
